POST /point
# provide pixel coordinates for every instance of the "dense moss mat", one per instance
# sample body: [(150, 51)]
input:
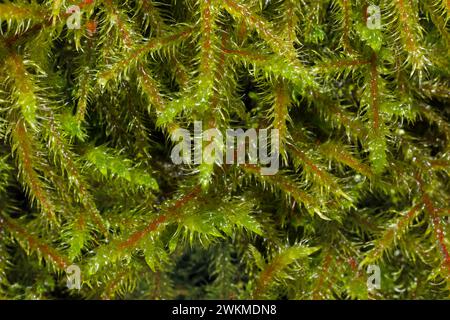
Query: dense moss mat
[(92, 95)]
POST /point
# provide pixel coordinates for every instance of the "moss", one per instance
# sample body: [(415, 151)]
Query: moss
[(89, 116)]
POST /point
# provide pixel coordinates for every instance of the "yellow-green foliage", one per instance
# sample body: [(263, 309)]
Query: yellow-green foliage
[(86, 122)]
